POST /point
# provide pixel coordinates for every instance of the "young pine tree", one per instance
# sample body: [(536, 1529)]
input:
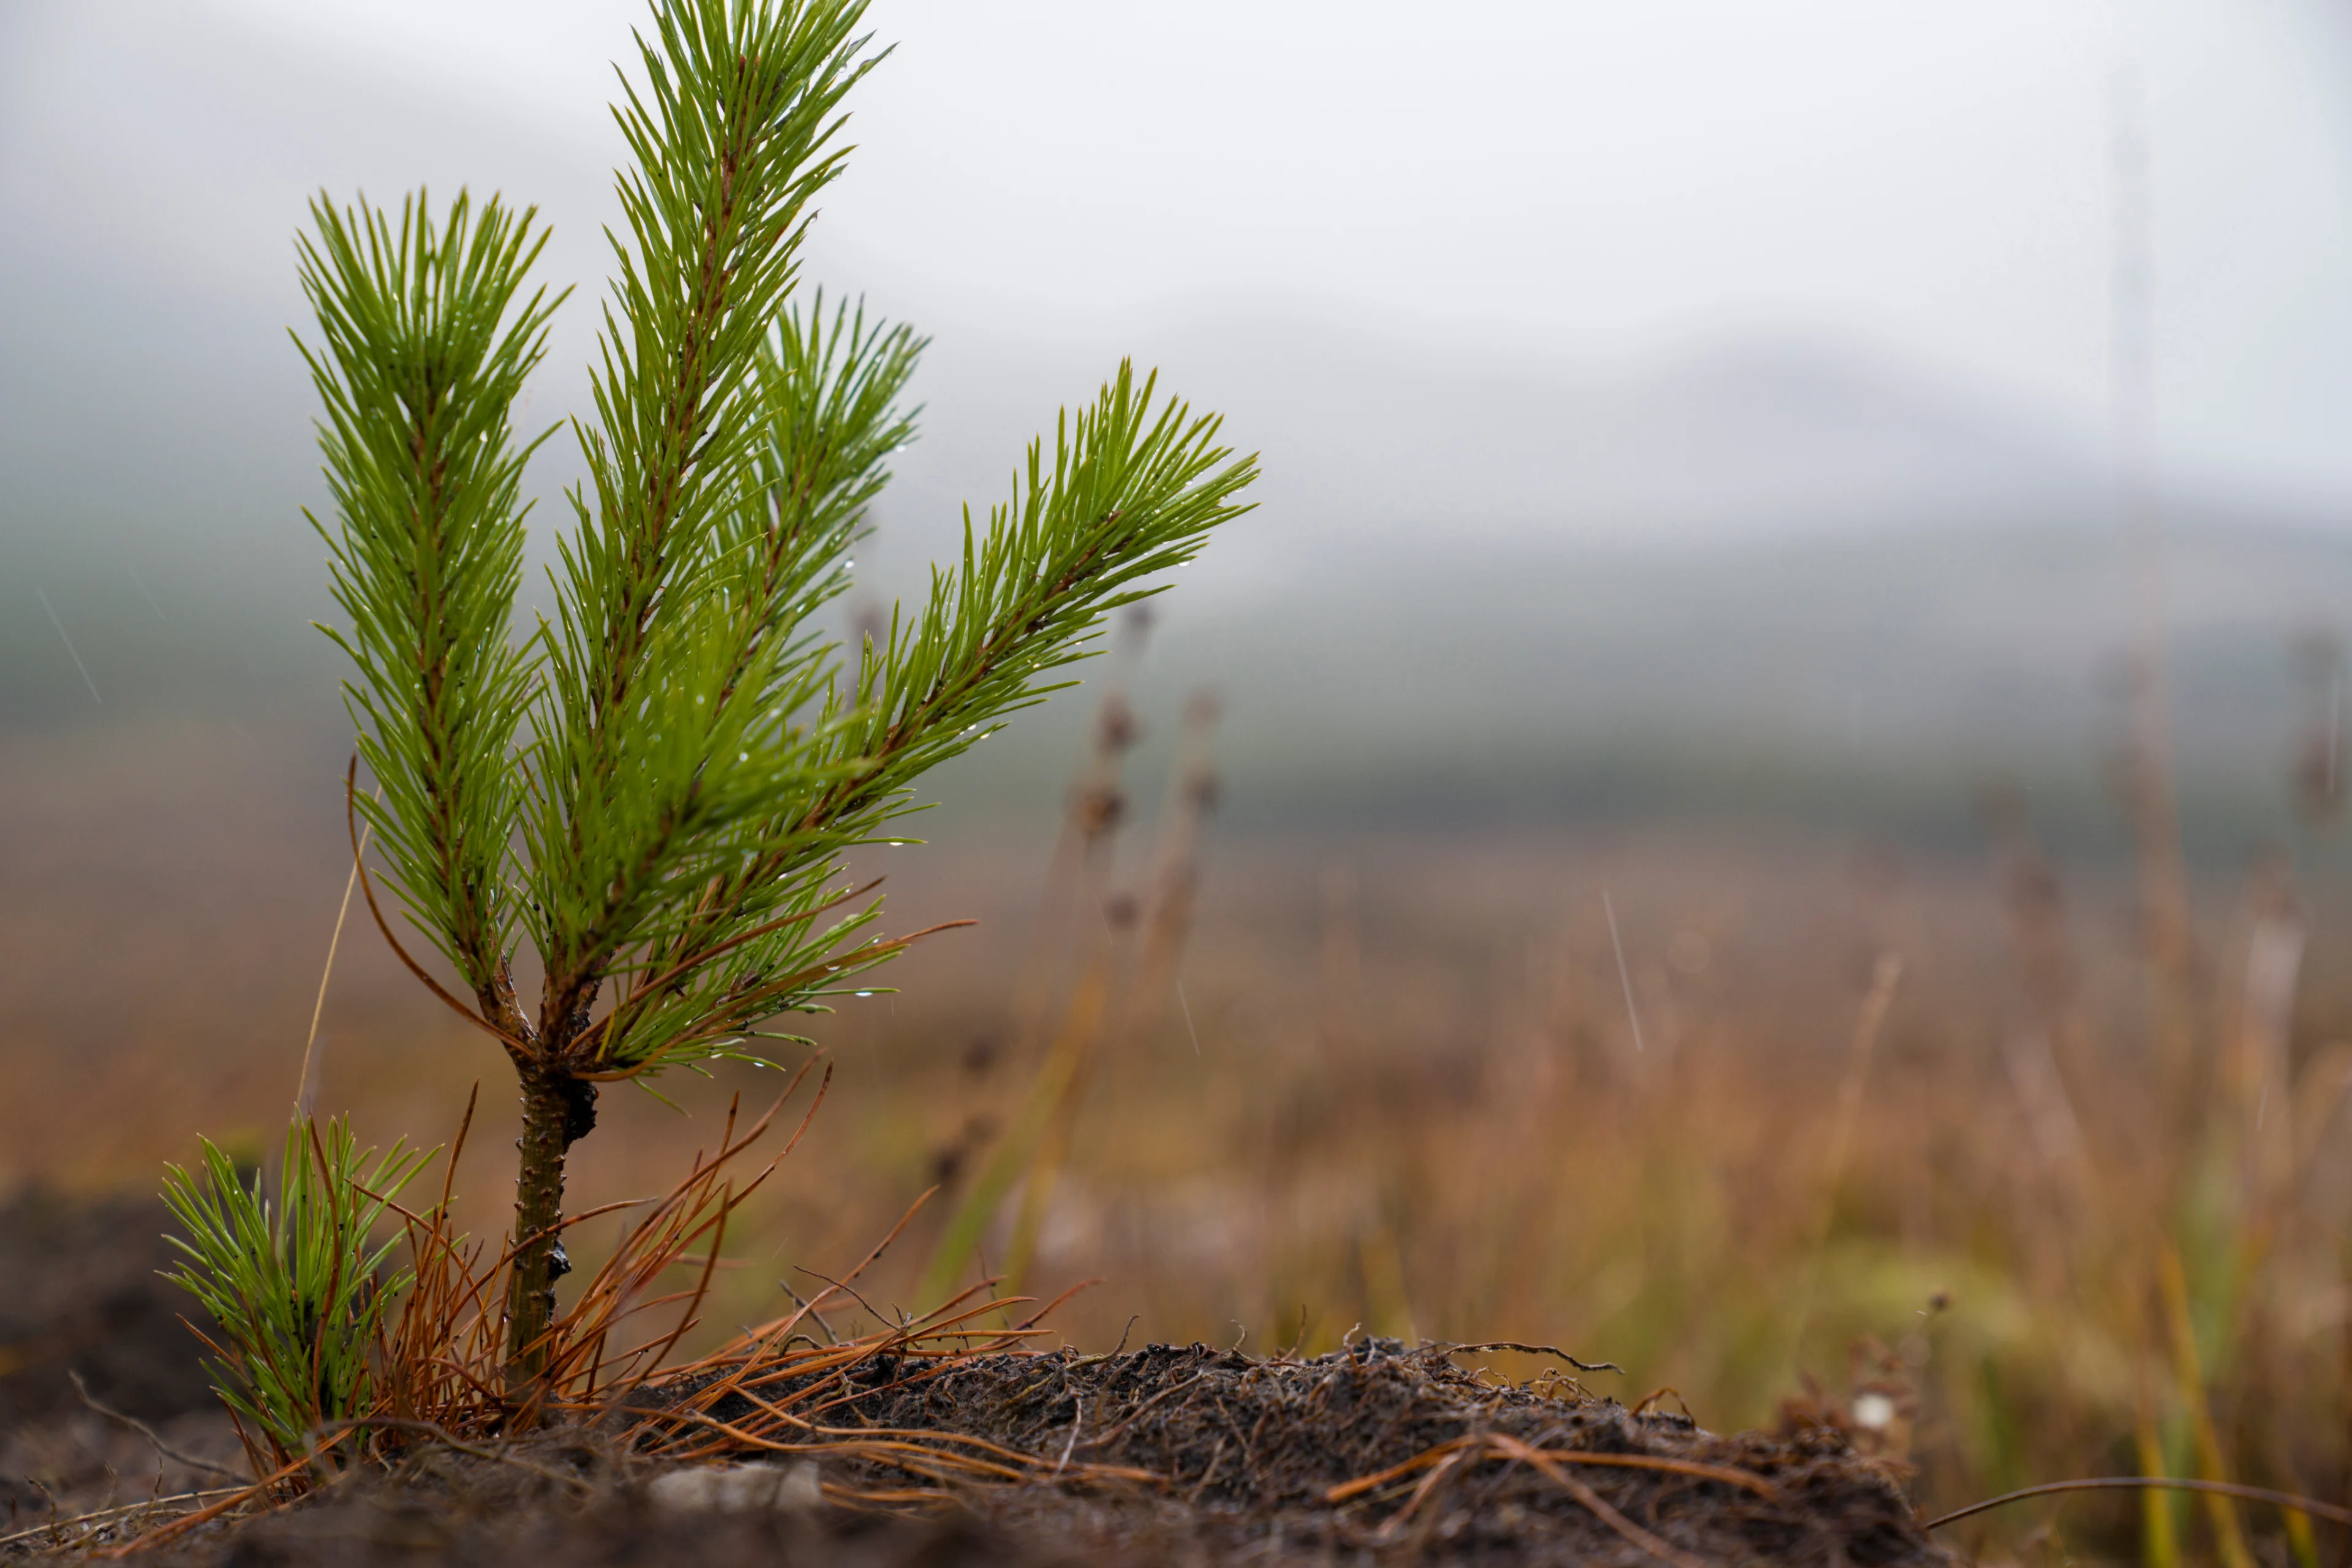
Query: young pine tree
[(653, 788)]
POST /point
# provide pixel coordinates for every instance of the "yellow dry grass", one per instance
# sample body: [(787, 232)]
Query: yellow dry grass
[(1994, 1226)]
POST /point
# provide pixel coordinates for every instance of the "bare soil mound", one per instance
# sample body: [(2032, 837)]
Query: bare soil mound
[(1377, 1453), (1382, 1447)]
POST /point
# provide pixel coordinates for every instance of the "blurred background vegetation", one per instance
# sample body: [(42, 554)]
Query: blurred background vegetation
[(1676, 883)]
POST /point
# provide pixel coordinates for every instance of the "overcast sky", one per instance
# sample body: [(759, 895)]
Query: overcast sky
[(1586, 183)]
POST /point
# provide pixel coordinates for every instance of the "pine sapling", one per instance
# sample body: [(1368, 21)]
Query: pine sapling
[(655, 785)]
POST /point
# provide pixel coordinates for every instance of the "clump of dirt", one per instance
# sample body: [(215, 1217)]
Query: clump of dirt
[(1380, 1446), (1164, 1454)]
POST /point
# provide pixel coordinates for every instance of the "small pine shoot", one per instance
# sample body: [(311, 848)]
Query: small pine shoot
[(293, 1281), (654, 786)]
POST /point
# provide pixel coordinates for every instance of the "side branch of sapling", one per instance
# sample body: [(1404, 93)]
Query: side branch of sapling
[(417, 378)]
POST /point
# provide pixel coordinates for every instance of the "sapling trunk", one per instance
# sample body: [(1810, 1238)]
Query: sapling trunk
[(558, 1111)]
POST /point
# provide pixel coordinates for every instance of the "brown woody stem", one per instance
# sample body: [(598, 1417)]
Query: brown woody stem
[(558, 1110)]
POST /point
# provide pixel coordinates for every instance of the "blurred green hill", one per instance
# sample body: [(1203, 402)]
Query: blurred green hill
[(1771, 578)]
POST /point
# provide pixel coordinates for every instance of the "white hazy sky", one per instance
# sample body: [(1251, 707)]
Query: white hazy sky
[(1564, 180)]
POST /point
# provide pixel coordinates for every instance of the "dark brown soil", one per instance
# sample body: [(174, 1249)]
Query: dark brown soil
[(1246, 1452), (80, 1295), (1250, 1451)]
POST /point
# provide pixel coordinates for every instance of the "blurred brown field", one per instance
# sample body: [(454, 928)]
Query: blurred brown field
[(1792, 1127)]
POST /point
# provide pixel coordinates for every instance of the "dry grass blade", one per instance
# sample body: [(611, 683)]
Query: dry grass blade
[(1500, 1446), (448, 1439), (2313, 1506), (104, 1515), (154, 1438), (1050, 1308), (696, 1209), (367, 887), (1421, 1494), (1136, 1414), (814, 1303), (940, 1456), (443, 1357), (306, 1085), (1663, 1550), (263, 1487), (1537, 1350), (1447, 1458), (760, 1395)]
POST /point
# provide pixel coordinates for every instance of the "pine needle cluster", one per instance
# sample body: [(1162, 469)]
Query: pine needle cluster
[(295, 1280)]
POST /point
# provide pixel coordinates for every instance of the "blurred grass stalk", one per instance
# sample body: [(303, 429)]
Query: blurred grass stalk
[(1127, 961)]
